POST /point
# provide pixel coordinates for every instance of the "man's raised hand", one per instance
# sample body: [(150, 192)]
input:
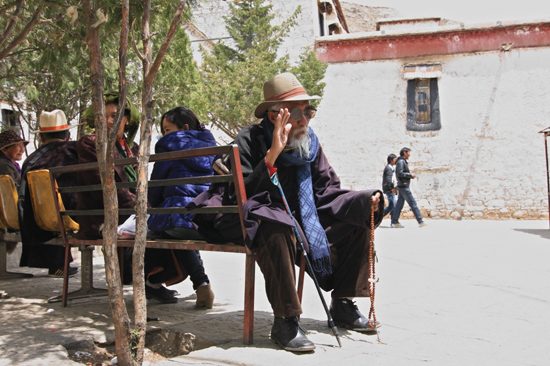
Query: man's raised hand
[(280, 136)]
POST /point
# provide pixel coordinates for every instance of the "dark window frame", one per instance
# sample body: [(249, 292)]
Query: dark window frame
[(415, 88)]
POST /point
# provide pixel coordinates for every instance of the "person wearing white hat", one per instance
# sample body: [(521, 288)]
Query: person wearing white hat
[(55, 150), (334, 222)]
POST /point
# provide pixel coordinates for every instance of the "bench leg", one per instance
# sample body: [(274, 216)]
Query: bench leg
[(4, 274), (248, 331), (87, 288)]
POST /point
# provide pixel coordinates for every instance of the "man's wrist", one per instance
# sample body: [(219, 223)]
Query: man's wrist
[(270, 168)]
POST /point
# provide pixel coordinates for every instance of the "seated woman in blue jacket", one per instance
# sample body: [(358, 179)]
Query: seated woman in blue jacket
[(181, 130)]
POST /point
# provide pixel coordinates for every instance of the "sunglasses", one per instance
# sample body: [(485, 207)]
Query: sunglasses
[(296, 113)]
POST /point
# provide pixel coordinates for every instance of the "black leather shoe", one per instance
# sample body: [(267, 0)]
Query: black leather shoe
[(161, 294), (346, 314), (286, 332)]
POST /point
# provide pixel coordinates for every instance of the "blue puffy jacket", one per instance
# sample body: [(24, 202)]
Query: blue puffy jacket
[(180, 195)]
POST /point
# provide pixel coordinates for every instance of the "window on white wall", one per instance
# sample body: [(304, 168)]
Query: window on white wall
[(423, 97), (10, 118)]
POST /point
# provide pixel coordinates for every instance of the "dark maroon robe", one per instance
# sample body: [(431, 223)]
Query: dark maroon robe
[(7, 167), (89, 225), (339, 210), (52, 154), (344, 214)]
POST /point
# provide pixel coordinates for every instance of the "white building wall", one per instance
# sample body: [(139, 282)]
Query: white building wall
[(487, 161)]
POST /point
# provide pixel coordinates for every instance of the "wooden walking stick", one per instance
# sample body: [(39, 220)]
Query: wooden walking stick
[(275, 181)]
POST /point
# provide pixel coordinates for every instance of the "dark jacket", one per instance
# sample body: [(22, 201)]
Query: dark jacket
[(56, 153), (89, 225), (339, 210), (7, 167), (180, 195), (387, 179), (402, 173)]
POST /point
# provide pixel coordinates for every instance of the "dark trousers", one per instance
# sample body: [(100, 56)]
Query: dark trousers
[(173, 266), (391, 203), (405, 194), (276, 257), (44, 256)]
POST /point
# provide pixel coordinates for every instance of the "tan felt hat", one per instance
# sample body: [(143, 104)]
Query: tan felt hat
[(284, 87)]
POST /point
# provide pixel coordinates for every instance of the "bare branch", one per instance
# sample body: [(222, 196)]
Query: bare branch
[(164, 47), (224, 128), (134, 45), (11, 24), (30, 25)]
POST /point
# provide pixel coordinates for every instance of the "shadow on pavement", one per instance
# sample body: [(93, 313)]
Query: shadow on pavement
[(543, 233)]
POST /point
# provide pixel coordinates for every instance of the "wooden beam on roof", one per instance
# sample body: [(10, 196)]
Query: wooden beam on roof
[(340, 14), (371, 46)]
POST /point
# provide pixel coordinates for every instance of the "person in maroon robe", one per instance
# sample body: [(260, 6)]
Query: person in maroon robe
[(124, 148), (334, 222), (55, 150)]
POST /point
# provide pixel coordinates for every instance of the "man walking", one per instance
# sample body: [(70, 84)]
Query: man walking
[(388, 184), (404, 176)]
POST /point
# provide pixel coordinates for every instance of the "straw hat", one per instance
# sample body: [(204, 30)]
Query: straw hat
[(53, 121), (10, 137), (284, 87)]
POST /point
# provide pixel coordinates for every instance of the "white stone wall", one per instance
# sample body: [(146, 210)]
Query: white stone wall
[(487, 161)]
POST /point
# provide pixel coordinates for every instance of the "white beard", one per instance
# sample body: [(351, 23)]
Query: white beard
[(301, 145)]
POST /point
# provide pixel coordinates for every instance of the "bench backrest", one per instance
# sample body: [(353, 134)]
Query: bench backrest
[(8, 203), (235, 176), (43, 204)]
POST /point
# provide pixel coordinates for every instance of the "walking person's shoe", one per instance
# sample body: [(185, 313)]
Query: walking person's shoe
[(286, 332), (59, 272), (346, 314), (161, 294), (398, 225), (205, 297), (422, 224)]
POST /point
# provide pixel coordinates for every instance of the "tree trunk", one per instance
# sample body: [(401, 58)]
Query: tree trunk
[(149, 71), (105, 158)]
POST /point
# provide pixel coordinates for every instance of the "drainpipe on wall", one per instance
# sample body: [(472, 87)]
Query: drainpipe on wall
[(546, 131)]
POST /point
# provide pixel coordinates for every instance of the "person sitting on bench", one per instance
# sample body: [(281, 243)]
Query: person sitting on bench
[(56, 150), (181, 130), (124, 148), (336, 221), (12, 148)]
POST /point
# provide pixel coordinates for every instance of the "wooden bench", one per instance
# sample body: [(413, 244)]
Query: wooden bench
[(60, 220), (9, 225)]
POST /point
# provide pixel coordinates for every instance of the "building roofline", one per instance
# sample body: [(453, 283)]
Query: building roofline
[(442, 40)]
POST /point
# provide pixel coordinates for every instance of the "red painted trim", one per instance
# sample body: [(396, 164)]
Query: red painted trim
[(444, 42)]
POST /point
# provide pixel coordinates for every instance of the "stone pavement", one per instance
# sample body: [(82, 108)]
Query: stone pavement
[(452, 293)]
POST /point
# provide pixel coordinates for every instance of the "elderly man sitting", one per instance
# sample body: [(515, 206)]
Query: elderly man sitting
[(336, 221)]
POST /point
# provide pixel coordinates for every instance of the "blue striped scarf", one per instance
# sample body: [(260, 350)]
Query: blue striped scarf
[(318, 243)]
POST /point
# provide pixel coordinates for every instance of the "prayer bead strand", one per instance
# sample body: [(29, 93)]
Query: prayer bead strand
[(372, 280)]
